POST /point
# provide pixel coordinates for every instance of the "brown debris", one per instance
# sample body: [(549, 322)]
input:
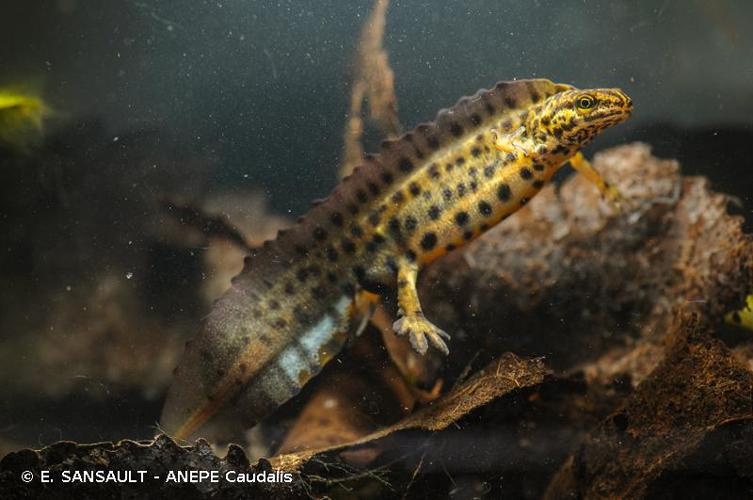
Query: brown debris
[(647, 443), (373, 80), (503, 376)]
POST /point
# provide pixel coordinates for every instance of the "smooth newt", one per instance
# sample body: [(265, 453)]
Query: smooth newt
[(425, 194)]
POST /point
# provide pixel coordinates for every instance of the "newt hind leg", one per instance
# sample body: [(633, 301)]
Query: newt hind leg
[(412, 322)]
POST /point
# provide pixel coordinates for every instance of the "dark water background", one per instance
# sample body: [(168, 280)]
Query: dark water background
[(264, 84)]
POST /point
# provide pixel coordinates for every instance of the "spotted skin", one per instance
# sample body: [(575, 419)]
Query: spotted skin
[(300, 297), (463, 191)]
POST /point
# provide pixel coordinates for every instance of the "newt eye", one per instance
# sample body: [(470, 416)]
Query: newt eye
[(585, 102)]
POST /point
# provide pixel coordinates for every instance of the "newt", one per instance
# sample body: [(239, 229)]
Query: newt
[(301, 296)]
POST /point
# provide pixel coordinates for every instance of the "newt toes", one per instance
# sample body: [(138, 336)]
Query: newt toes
[(431, 191)]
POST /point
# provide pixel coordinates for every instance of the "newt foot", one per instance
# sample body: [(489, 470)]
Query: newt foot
[(418, 329)]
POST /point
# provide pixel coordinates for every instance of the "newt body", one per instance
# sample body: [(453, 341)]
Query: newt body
[(426, 193)]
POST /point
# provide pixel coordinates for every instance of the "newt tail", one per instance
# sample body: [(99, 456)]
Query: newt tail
[(433, 190)]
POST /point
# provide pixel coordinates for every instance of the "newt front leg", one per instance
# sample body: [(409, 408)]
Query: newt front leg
[(584, 167), (412, 321)]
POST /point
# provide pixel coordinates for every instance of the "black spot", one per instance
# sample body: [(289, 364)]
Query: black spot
[(507, 125), (315, 270), (361, 196), (410, 223), (414, 189), (447, 193), (461, 218), (460, 161), (376, 240), (489, 171), (394, 225), (535, 97), (489, 107), (410, 255), (434, 171), (374, 218), (434, 212), (391, 264), (433, 142), (336, 218), (450, 247), (510, 157), (484, 227), (302, 274), (474, 186), (539, 167), (317, 291), (281, 323), (510, 102), (523, 201), (320, 233), (359, 272), (289, 288), (352, 208), (473, 171), (475, 119), (526, 174), (373, 188), (331, 253), (449, 167), (398, 197), (332, 277), (557, 133), (348, 246), (456, 129), (405, 165), (274, 305), (356, 231), (504, 193), (538, 184), (484, 208), (475, 152), (301, 316), (461, 190), (429, 241), (387, 178), (468, 235)]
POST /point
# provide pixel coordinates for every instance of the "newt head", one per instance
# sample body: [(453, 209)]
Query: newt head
[(574, 117)]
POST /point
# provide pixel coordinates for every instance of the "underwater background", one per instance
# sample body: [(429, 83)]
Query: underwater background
[(239, 107)]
